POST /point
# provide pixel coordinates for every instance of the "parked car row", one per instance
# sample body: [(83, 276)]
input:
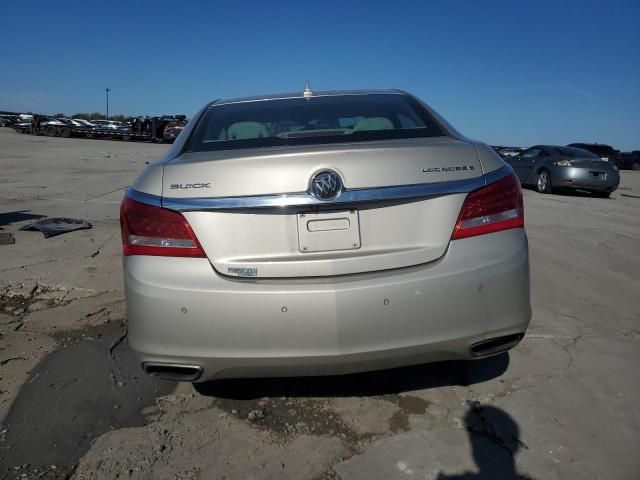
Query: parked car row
[(167, 128), (160, 129)]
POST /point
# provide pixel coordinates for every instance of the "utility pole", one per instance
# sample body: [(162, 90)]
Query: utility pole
[(107, 90)]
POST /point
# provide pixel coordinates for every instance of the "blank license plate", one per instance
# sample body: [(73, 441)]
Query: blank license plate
[(328, 231)]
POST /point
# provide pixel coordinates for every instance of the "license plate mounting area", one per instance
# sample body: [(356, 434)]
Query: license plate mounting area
[(328, 231)]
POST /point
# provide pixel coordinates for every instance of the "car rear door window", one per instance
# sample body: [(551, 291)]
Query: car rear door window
[(532, 153)]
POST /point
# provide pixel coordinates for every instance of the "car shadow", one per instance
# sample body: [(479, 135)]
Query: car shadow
[(385, 382), (568, 192), (565, 192)]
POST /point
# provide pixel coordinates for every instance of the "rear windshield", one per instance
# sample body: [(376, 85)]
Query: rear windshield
[(599, 149), (602, 150), (316, 120), (575, 152)]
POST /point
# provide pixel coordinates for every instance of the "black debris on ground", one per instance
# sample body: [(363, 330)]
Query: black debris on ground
[(6, 238), (50, 227)]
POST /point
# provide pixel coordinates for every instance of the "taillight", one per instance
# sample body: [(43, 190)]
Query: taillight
[(493, 208), (149, 230)]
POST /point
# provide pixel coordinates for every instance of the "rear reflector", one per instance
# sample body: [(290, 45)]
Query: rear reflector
[(493, 208), (149, 230)]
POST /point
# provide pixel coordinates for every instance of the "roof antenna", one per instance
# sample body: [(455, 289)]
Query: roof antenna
[(308, 93)]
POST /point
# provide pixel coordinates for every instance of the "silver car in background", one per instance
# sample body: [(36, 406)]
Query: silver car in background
[(551, 167), (111, 125), (322, 233)]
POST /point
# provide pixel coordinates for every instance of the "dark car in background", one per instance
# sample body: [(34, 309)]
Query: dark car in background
[(113, 125), (629, 160), (8, 119), (172, 130), (66, 129), (110, 128), (47, 125), (83, 123), (22, 126), (71, 122), (605, 152), (507, 151), (550, 167)]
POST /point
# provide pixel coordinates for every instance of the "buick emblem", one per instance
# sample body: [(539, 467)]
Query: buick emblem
[(326, 185)]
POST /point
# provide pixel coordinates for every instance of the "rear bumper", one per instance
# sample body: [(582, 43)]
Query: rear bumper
[(581, 178), (181, 311)]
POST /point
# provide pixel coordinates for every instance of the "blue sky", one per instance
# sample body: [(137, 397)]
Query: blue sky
[(512, 72)]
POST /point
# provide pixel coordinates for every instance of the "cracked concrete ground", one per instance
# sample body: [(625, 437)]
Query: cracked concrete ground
[(73, 402)]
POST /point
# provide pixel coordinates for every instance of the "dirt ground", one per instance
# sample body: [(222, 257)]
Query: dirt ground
[(75, 404)]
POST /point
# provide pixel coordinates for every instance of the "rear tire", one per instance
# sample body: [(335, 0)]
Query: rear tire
[(65, 132), (543, 181), (51, 132), (635, 166), (601, 194)]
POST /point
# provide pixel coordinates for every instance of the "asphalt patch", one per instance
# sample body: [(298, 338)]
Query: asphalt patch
[(78, 392), (287, 417), (408, 405)]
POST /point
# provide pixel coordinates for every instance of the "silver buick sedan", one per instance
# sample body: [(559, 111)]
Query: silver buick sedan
[(318, 233)]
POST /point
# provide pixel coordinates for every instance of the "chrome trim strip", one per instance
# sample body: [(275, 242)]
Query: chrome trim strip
[(498, 174), (348, 196), (147, 198), (304, 199)]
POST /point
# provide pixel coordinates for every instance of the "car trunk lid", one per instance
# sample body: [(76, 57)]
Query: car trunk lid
[(324, 238), (592, 163)]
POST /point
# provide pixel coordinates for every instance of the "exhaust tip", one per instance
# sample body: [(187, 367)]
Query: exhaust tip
[(173, 371), (495, 345)]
